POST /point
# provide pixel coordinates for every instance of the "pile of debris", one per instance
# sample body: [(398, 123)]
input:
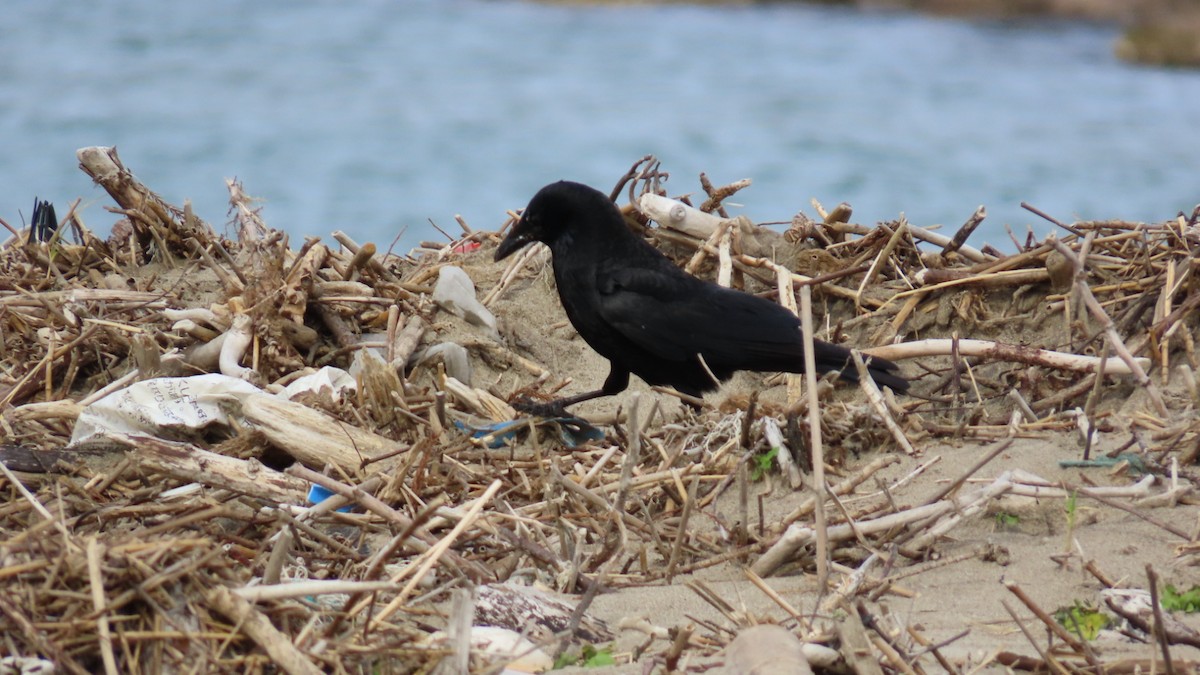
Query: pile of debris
[(240, 455)]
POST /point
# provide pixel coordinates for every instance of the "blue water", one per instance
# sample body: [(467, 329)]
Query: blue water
[(377, 117)]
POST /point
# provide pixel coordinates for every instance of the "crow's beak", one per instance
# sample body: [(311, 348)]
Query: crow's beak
[(515, 240)]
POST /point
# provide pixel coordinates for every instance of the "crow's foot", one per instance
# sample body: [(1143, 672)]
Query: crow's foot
[(529, 406)]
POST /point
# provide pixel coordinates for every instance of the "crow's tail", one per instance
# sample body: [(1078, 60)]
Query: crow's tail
[(835, 357)]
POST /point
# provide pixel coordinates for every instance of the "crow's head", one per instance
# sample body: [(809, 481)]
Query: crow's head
[(551, 213)]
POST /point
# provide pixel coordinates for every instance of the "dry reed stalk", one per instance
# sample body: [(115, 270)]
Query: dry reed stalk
[(875, 398), (881, 259), (537, 255), (1048, 659), (1106, 323), (716, 195), (42, 511), (936, 279), (1008, 352), (681, 532), (842, 488), (751, 266), (787, 298), (189, 463), (923, 234), (948, 512), (817, 449), (96, 577), (851, 585), (281, 650), (965, 231), (713, 242), (1159, 630), (724, 259), (431, 557), (1076, 644), (364, 257)]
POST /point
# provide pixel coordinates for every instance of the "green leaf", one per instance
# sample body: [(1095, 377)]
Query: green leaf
[(1072, 506), (1082, 620), (1006, 519), (565, 659), (593, 657), (763, 464), (588, 657), (1174, 601)]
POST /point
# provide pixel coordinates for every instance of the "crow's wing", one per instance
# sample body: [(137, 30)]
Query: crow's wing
[(675, 316)]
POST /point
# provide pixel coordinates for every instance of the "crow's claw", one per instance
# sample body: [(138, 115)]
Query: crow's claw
[(529, 406)]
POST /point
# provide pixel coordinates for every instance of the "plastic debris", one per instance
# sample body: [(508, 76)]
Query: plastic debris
[(166, 407), (456, 358), (330, 381), (574, 431), (318, 494), (455, 293)]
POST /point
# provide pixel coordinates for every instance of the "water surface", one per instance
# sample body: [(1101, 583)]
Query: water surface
[(376, 117)]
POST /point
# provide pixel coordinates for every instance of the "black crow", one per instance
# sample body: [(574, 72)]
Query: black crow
[(650, 318)]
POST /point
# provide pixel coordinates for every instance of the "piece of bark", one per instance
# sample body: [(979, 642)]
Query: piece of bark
[(1135, 606), (534, 613), (406, 342), (856, 646), (312, 437), (28, 459), (185, 461), (298, 284)]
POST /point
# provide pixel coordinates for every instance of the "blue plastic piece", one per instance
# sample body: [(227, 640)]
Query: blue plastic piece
[(318, 494)]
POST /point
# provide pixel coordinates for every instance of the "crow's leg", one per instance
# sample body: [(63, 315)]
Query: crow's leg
[(617, 382)]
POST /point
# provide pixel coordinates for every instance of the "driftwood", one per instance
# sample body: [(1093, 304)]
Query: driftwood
[(313, 437), (535, 613), (151, 217), (189, 463), (987, 349)]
